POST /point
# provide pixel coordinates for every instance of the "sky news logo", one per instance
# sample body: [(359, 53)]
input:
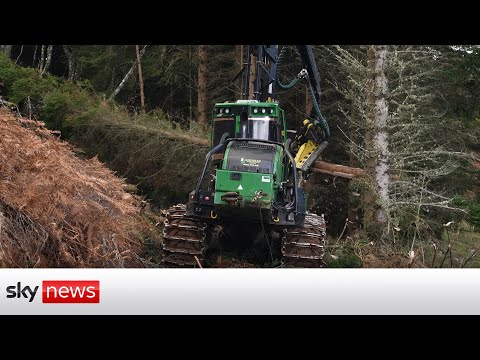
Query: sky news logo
[(58, 292), (71, 291)]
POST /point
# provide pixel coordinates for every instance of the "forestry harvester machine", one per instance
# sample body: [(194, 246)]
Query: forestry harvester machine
[(251, 183)]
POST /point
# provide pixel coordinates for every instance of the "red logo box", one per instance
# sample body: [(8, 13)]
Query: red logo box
[(71, 291)]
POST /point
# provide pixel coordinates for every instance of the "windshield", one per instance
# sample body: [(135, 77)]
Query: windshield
[(263, 128), (221, 126), (251, 157)]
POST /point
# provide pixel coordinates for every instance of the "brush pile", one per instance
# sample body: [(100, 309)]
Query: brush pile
[(58, 210)]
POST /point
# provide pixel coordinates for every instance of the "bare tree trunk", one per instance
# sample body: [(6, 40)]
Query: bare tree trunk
[(34, 60), (8, 50), (352, 201), (122, 83), (202, 85), (190, 90), (370, 196), (381, 136), (71, 62), (376, 137), (48, 60), (21, 52), (127, 76), (140, 79), (42, 59)]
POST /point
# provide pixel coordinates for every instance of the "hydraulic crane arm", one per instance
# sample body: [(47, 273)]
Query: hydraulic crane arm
[(260, 72), (260, 78), (313, 77), (311, 139), (308, 60)]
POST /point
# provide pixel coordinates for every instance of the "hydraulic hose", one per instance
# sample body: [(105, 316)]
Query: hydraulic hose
[(294, 82), (321, 119), (323, 122)]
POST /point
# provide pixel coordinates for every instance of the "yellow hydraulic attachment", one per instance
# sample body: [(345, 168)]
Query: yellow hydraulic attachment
[(305, 151), (310, 150)]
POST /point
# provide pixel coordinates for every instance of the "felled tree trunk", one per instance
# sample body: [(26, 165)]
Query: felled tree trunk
[(127, 76)]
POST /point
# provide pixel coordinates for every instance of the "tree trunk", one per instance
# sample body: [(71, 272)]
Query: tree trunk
[(48, 60), (381, 138), (8, 50), (190, 87), (377, 139), (72, 68), (237, 68), (20, 54), (42, 59), (127, 76), (140, 78), (353, 215), (308, 101), (251, 77), (34, 60), (202, 85)]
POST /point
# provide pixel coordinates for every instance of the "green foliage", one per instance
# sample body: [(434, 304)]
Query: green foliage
[(22, 83), (61, 104), (430, 107), (464, 240), (133, 145), (137, 148), (31, 86), (473, 208), (68, 107), (8, 72), (344, 257), (55, 110)]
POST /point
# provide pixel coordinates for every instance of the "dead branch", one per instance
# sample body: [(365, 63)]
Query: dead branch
[(198, 261), (59, 210), (446, 254)]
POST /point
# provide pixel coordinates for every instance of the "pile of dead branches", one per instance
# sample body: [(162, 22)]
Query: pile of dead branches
[(57, 210)]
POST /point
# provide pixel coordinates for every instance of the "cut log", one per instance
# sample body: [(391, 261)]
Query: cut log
[(347, 172)]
